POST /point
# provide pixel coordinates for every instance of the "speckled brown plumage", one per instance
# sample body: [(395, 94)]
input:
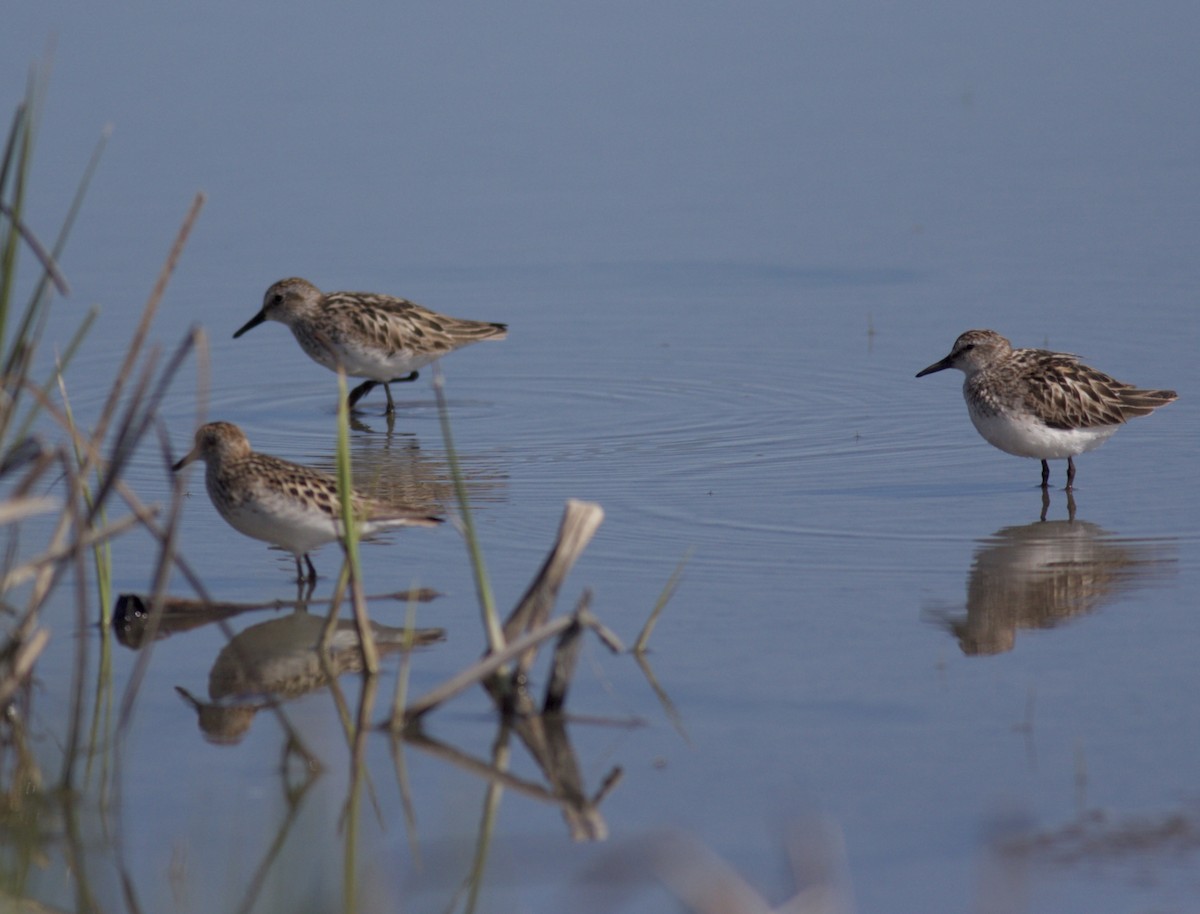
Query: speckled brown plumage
[(293, 506), (378, 337), (1042, 404)]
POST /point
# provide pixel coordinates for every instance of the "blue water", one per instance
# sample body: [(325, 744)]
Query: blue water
[(725, 239)]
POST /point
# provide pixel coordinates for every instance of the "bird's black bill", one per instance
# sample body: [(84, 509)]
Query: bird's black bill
[(251, 324), (936, 366)]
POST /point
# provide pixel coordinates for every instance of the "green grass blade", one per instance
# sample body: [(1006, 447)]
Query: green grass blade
[(483, 584), (345, 484)]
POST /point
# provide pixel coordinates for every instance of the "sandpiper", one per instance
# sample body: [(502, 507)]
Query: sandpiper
[(293, 506), (1042, 404), (378, 337)]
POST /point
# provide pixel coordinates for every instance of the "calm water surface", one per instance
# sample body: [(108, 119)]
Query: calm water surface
[(724, 242)]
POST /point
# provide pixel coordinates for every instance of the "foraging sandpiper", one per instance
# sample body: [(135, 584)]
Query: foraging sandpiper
[(378, 337), (1042, 404), (292, 506)]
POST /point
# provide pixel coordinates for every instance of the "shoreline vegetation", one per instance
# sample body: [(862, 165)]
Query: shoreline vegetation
[(49, 463)]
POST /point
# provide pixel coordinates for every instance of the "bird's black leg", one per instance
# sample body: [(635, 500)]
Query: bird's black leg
[(367, 386), (304, 592), (312, 570), (359, 392), (1070, 473), (1045, 474), (411, 376)]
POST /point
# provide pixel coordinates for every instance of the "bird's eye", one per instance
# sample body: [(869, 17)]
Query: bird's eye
[(967, 348), (277, 298)]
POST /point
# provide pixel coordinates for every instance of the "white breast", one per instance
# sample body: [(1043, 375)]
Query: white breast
[(282, 522), (1026, 436)]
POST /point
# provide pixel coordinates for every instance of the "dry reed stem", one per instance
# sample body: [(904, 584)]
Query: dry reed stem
[(18, 509), (482, 770), (52, 557), (22, 664), (39, 251), (148, 313), (579, 523), (668, 591), (566, 654), (111, 481), (162, 569), (527, 627), (484, 668), (545, 737), (46, 573)]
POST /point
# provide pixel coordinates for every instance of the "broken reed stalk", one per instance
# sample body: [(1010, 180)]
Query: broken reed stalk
[(527, 627), (566, 655), (481, 670), (579, 523)]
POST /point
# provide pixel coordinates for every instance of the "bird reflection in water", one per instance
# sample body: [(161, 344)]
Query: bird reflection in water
[(393, 468), (280, 659), (1043, 574)]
